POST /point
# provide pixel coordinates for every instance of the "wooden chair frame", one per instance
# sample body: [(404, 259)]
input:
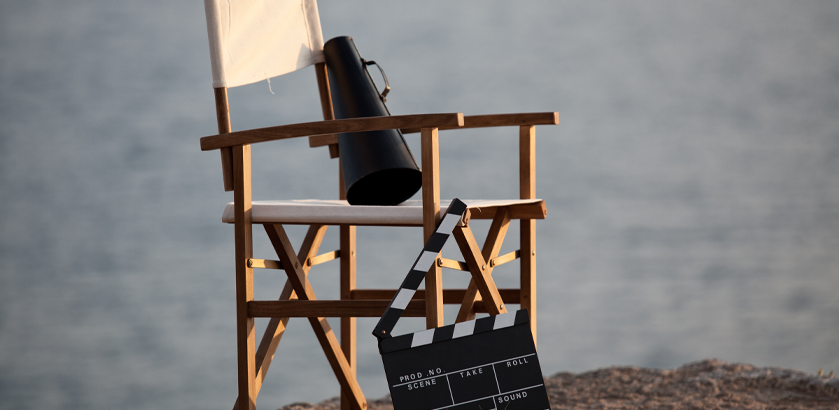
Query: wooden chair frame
[(298, 299)]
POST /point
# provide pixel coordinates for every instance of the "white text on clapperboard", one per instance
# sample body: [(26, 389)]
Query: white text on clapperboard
[(434, 372)]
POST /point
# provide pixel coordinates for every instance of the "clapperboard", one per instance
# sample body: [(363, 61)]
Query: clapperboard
[(483, 364)]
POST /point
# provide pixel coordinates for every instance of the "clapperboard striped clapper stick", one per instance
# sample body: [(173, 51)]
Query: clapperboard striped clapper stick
[(483, 364)]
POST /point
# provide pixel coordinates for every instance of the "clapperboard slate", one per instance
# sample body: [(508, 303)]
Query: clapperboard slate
[(483, 364)]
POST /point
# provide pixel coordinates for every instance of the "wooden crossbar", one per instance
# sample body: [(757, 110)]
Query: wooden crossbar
[(462, 266), (450, 296), (354, 308), (325, 257), (507, 257), (329, 256), (272, 264), (452, 264), (329, 308), (264, 264)]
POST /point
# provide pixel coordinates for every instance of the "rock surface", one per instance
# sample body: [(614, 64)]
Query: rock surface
[(709, 384)]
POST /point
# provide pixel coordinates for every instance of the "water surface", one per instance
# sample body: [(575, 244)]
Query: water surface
[(693, 202)]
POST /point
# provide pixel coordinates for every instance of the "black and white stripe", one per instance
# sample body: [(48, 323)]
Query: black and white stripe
[(457, 330), (421, 266)]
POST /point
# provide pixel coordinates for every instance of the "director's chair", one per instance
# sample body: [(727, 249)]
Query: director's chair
[(258, 39)]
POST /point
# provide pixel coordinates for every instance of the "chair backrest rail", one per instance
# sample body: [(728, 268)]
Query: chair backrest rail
[(223, 119)]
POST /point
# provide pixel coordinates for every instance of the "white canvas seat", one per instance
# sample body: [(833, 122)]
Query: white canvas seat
[(340, 212)]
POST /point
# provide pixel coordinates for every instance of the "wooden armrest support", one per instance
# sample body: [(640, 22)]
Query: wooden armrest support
[(452, 120)]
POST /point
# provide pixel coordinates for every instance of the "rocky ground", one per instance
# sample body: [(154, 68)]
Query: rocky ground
[(709, 384)]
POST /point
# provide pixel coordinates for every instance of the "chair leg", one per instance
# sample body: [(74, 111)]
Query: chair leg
[(324, 333), (492, 245), (348, 324), (479, 269), (528, 271), (430, 146), (268, 346), (244, 275), (527, 190)]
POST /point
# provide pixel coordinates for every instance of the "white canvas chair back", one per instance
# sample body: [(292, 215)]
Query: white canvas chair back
[(254, 40)]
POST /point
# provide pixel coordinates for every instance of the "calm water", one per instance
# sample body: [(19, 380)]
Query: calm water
[(692, 187)]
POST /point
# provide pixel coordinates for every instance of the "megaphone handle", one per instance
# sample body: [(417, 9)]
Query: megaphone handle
[(387, 85)]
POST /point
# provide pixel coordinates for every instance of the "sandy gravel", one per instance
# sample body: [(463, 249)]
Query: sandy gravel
[(709, 384)]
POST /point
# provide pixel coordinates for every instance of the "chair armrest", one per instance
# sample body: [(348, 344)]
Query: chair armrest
[(501, 120), (451, 120), (469, 121)]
